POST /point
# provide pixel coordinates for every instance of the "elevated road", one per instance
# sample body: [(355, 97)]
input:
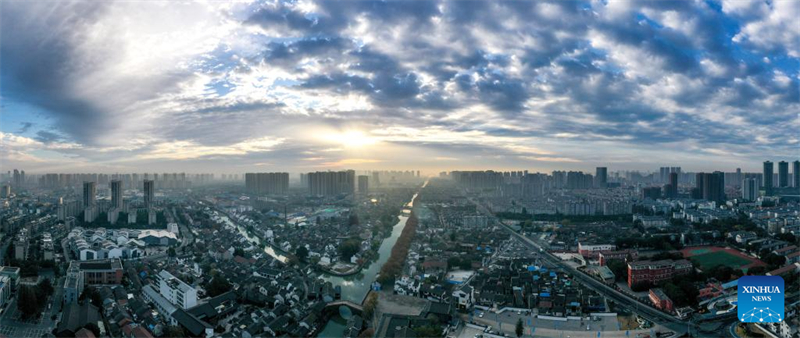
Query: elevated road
[(680, 327), (620, 298)]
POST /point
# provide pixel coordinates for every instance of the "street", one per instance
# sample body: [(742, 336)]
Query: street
[(11, 326)]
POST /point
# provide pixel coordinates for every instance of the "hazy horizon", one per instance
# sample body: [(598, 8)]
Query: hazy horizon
[(419, 85)]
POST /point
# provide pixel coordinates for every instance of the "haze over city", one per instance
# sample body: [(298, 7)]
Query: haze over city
[(400, 168), (424, 85)]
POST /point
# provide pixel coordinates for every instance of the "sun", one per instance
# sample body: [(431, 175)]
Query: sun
[(353, 139)]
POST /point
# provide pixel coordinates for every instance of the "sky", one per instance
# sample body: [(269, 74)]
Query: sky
[(230, 87)]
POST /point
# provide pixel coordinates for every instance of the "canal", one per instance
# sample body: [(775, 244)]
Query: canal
[(255, 240), (356, 287)]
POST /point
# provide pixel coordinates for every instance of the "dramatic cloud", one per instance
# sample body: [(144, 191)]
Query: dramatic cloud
[(296, 85)]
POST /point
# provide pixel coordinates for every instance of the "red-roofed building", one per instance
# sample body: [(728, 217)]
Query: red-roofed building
[(711, 290), (793, 258), (84, 333), (656, 271), (786, 250), (660, 300), (785, 270), (140, 332), (620, 255), (433, 265), (593, 250)]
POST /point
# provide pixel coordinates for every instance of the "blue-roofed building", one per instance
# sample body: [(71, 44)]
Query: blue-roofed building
[(734, 284)]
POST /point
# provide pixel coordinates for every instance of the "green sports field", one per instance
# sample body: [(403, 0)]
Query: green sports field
[(713, 259)]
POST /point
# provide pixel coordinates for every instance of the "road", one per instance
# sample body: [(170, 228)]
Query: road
[(644, 310), (623, 300), (12, 326), (508, 326)]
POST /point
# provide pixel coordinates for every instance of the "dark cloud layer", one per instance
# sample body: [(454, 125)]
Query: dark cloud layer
[(653, 73)]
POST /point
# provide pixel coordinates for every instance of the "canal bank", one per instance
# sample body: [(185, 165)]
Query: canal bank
[(356, 287), (268, 249)]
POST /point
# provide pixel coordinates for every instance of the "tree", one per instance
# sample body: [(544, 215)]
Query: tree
[(92, 296), (786, 237), (94, 328), (27, 302), (352, 220), (666, 255), (619, 268), (757, 270), (46, 287), (368, 333), (427, 331), (774, 261), (349, 248), (171, 252), (218, 286), (301, 253), (519, 329), (238, 252), (370, 305), (173, 331)]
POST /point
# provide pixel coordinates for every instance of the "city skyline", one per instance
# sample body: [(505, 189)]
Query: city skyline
[(653, 170), (423, 85)]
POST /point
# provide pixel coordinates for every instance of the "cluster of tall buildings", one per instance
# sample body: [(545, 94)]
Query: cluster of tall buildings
[(267, 183), (530, 183), (664, 173), (18, 178), (331, 183), (320, 183), (163, 181), (363, 184), (671, 188), (710, 186), (783, 181), (91, 209)]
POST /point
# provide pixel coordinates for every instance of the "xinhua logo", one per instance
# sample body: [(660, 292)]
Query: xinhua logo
[(760, 299)]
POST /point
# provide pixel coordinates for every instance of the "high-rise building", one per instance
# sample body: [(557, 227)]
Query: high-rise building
[(149, 193), (601, 177), (267, 183), (749, 189), (90, 211), (331, 183), (89, 194), (768, 178), (579, 180), (783, 174), (796, 174), (697, 192), (664, 174), (738, 178), (116, 194), (363, 184), (6, 192), (376, 181), (714, 186), (651, 192), (672, 192)]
